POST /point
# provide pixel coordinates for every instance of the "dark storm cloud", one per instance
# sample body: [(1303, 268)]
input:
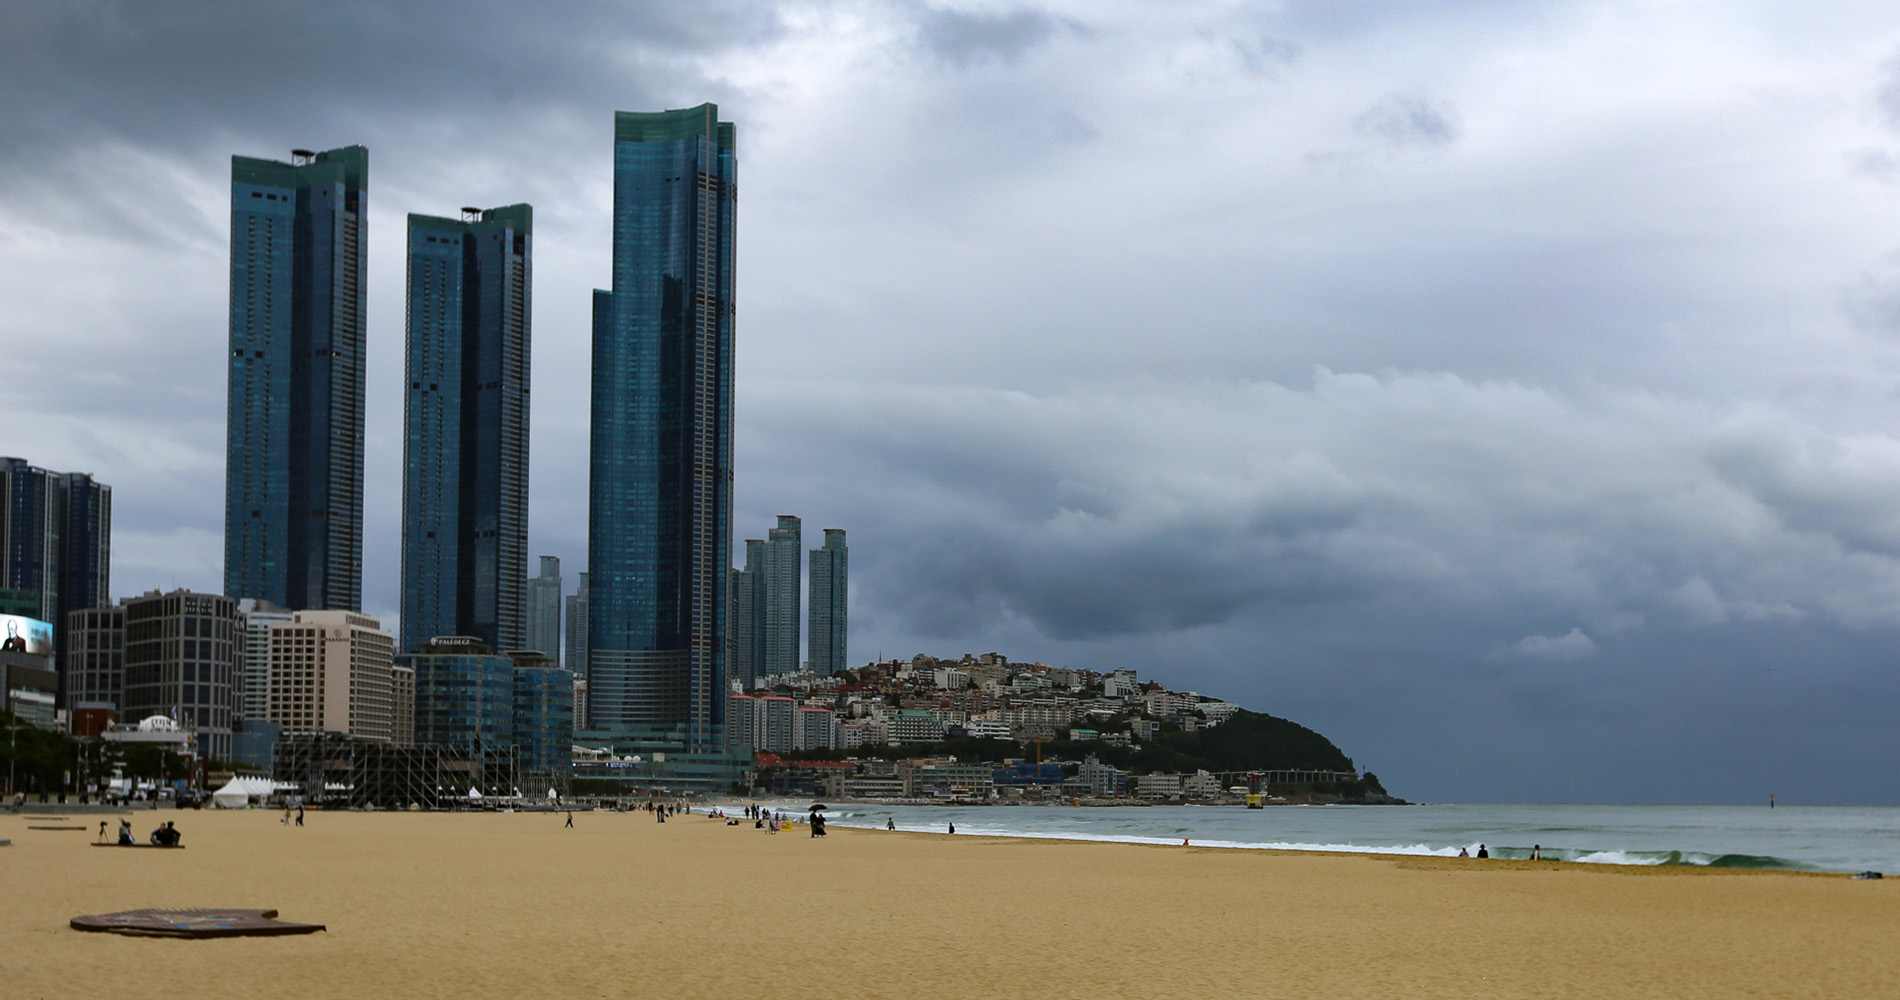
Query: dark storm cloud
[(1154, 510), (170, 73), (93, 91)]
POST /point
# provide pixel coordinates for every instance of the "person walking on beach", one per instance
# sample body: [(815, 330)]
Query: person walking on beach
[(299, 814), (889, 824), (570, 819)]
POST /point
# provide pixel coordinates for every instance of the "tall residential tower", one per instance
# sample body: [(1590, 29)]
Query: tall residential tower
[(747, 617), (783, 585), (830, 566), (293, 494), (465, 447), (660, 490), (55, 547)]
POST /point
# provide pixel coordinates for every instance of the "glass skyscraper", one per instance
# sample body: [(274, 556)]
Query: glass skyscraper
[(783, 583), (541, 630), (660, 492), (465, 421), (830, 565), (293, 495), (577, 636)]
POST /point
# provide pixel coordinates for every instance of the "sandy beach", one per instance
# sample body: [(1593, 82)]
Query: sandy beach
[(503, 905)]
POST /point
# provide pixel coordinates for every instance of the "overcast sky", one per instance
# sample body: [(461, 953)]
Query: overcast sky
[(1508, 390)]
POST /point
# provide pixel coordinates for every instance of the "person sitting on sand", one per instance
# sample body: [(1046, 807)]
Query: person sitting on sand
[(1482, 852), (1463, 853), (125, 832)]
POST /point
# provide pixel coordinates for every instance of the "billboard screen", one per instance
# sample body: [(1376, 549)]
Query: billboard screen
[(25, 635)]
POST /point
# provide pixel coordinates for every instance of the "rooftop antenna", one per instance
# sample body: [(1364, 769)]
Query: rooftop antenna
[(302, 157), (471, 214)]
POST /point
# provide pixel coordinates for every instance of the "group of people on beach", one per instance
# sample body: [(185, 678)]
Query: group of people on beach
[(167, 834), (1537, 852)]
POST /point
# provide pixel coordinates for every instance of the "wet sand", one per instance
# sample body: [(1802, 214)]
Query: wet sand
[(513, 905)]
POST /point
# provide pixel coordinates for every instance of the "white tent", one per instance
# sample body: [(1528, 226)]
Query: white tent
[(239, 792)]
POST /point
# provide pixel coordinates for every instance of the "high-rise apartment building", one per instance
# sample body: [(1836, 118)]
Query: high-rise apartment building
[(293, 494), (660, 490), (783, 580), (748, 616), (830, 566), (181, 660), (577, 637), (543, 631), (55, 546), (465, 418), (334, 671)]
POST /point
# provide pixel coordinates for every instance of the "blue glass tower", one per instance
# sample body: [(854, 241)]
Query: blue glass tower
[(465, 420), (293, 494), (660, 492)]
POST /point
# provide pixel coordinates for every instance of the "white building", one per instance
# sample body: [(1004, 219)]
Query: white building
[(1158, 786), (950, 678), (1199, 785)]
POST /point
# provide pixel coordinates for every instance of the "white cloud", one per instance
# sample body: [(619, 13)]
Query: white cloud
[(1567, 648)]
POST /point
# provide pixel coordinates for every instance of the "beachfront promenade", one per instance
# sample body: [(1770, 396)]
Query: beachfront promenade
[(481, 905)]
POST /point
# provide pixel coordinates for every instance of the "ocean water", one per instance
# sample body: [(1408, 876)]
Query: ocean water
[(1802, 838)]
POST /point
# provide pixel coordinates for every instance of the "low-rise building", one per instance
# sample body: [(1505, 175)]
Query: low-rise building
[(1199, 785), (1158, 786), (1104, 780), (913, 725)]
